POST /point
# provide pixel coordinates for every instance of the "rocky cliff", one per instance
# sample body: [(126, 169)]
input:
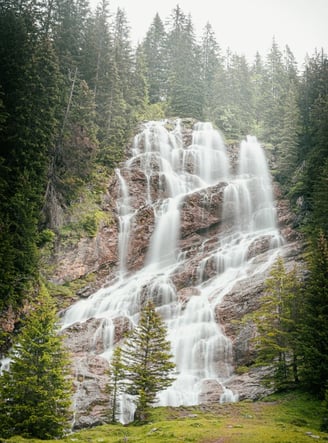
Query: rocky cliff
[(204, 217)]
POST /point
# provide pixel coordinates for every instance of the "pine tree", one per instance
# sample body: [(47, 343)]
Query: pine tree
[(237, 115), (117, 117), (314, 338), (139, 87), (287, 147), (277, 325), (320, 199), (147, 360), (312, 151), (211, 68), (275, 82), (29, 79), (155, 60), (115, 388), (185, 92), (35, 392)]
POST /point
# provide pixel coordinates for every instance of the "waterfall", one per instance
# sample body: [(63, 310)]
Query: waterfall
[(203, 353), (125, 214)]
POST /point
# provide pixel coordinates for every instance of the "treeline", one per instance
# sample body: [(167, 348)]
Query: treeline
[(73, 88)]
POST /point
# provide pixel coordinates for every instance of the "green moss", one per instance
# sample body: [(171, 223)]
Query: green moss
[(59, 290), (91, 222), (242, 370), (86, 225)]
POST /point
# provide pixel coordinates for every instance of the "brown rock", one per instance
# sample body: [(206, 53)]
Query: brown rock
[(211, 391), (91, 401)]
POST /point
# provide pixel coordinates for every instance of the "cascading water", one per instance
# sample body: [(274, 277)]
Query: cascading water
[(203, 354)]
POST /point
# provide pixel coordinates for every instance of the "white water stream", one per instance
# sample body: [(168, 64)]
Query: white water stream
[(203, 354)]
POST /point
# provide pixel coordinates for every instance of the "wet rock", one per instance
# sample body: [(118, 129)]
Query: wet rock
[(142, 227), (81, 338), (185, 294), (250, 385), (91, 336), (91, 399), (211, 391)]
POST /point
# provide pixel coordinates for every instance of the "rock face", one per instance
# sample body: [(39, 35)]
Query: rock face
[(206, 225)]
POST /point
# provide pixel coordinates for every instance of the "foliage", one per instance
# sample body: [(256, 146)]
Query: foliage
[(35, 393), (314, 333), (29, 80), (115, 388), (277, 325), (147, 360)]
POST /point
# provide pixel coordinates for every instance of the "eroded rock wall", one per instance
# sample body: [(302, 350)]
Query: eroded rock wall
[(202, 220)]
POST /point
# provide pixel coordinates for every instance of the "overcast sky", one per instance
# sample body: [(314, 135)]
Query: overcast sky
[(243, 25)]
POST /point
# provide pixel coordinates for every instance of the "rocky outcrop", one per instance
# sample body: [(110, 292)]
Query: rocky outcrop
[(250, 385), (89, 255)]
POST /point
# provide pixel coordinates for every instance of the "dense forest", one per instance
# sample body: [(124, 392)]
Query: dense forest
[(72, 91)]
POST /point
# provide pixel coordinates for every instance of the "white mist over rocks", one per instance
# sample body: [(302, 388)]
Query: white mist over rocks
[(202, 352)]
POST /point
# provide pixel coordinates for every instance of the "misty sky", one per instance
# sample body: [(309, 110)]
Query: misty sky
[(243, 25)]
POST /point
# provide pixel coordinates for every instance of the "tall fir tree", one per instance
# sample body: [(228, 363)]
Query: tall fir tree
[(30, 80), (275, 81), (185, 93), (277, 323), (155, 60), (314, 338), (35, 392), (211, 70), (147, 360), (287, 147), (115, 385), (312, 151)]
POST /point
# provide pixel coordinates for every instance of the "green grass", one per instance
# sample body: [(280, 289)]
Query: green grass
[(285, 418)]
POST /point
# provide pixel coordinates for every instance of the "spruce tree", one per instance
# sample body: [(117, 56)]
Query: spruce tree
[(155, 60), (320, 199), (29, 78), (35, 392), (277, 325), (288, 137), (115, 388), (185, 92), (211, 69), (275, 83), (314, 337), (147, 360)]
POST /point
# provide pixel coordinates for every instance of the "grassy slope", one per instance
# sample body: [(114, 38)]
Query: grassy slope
[(288, 418)]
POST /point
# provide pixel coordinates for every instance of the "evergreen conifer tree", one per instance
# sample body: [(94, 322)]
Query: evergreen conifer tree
[(277, 325), (211, 68), (185, 92), (147, 360), (116, 375), (155, 60), (314, 338), (35, 392), (29, 78)]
